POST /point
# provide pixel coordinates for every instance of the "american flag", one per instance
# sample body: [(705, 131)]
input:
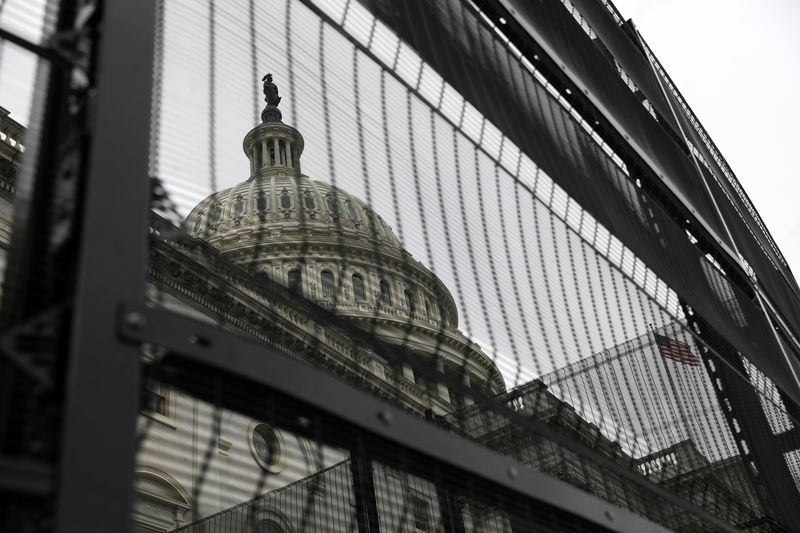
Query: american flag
[(676, 350)]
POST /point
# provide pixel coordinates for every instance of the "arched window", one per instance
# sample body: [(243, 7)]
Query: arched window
[(286, 202), (352, 211), (267, 521), (358, 288), (261, 202), (328, 288), (268, 526), (198, 224), (295, 281), (333, 207), (409, 301), (216, 215), (161, 503), (309, 200), (238, 207), (386, 298)]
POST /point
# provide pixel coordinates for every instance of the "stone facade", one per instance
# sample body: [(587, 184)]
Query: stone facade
[(329, 247)]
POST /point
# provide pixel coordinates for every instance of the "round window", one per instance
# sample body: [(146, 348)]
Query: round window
[(266, 445)]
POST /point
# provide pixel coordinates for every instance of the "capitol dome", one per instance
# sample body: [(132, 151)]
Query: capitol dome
[(332, 248)]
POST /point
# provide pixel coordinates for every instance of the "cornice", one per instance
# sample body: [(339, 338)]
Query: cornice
[(280, 325)]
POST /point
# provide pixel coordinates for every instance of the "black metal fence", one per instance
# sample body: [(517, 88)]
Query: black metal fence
[(479, 269)]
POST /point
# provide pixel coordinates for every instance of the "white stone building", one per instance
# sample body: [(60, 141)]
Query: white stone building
[(323, 244)]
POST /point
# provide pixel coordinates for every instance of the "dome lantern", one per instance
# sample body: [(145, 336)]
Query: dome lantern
[(272, 144)]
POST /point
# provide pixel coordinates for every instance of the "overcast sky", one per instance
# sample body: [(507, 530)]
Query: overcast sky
[(736, 63)]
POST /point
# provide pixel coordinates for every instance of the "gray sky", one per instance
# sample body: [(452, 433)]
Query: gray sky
[(700, 57), (735, 62)]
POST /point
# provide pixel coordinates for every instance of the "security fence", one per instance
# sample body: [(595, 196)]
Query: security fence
[(317, 265)]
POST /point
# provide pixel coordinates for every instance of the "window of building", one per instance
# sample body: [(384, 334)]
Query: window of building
[(358, 288), (155, 397), (216, 215), (422, 513), (328, 288), (409, 301), (333, 207), (268, 521), (198, 223), (427, 306), (386, 298), (286, 201), (294, 281), (309, 201), (161, 503), (268, 526), (352, 211), (238, 207), (266, 447), (261, 202), (265, 444)]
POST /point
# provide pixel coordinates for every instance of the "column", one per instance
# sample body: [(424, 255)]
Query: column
[(467, 397), (441, 388), (287, 148)]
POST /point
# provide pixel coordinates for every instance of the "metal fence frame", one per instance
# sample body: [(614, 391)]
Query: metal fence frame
[(110, 321), (102, 388), (102, 396)]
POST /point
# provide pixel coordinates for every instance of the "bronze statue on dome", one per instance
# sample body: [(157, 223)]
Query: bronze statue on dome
[(270, 91)]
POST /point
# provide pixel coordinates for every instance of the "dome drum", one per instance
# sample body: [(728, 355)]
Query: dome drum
[(354, 285), (273, 145)]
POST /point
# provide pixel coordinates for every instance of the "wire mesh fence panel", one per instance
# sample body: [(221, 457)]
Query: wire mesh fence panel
[(218, 469), (427, 209), (310, 474)]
